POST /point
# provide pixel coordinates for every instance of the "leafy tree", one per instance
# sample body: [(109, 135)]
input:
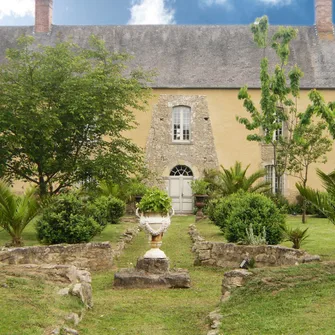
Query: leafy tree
[(303, 142), (310, 147), (323, 201), (64, 111), (276, 94), (16, 212), (235, 178)]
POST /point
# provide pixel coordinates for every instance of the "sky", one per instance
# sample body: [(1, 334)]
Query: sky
[(121, 12)]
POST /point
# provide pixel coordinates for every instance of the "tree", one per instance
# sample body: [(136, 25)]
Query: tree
[(323, 201), (296, 140), (310, 147), (16, 212), (234, 179), (64, 111), (276, 94)]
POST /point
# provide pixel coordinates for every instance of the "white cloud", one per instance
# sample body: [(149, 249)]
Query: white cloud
[(151, 12), (17, 8)]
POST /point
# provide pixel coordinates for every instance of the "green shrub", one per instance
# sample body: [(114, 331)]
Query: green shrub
[(155, 200), (297, 208), (235, 213), (199, 186), (67, 220), (220, 209), (98, 210), (252, 239), (115, 210), (280, 201)]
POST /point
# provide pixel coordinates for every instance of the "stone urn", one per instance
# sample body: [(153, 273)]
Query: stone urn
[(200, 201), (156, 225)]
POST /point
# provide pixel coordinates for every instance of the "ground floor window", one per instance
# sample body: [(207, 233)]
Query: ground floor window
[(277, 184)]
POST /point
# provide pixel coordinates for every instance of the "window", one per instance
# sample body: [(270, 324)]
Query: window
[(181, 170), (278, 132), (277, 184), (181, 121)]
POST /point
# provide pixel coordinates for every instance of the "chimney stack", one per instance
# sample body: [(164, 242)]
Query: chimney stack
[(324, 18), (43, 16)]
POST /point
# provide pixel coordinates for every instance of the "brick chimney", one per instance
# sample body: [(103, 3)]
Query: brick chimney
[(324, 18), (43, 16)]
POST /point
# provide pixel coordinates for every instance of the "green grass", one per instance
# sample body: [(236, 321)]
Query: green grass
[(155, 311), (29, 306), (321, 240), (296, 300)]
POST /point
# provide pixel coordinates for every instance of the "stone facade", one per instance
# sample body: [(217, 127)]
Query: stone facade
[(230, 255), (92, 256), (199, 153)]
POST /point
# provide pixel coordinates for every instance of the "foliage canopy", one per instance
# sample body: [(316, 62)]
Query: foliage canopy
[(64, 111)]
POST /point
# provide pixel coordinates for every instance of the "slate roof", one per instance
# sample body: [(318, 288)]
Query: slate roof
[(196, 56)]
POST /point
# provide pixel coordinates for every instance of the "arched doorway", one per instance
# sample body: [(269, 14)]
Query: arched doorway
[(180, 190)]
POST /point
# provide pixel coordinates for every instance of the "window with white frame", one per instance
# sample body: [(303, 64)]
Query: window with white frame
[(181, 124), (277, 184), (278, 132)]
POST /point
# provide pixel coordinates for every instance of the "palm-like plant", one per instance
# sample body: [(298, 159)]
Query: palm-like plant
[(16, 212), (235, 179), (323, 201)]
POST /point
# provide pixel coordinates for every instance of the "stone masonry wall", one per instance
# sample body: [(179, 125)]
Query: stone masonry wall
[(92, 256), (163, 154), (231, 255)]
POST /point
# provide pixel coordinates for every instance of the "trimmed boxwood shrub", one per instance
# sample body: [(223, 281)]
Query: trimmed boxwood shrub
[(240, 210), (67, 219), (115, 210)]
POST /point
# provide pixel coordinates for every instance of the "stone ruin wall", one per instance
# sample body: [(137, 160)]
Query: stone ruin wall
[(230, 255), (92, 256)]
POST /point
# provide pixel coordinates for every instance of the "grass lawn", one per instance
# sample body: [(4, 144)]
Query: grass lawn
[(298, 300), (155, 311), (295, 300), (321, 240), (29, 306)]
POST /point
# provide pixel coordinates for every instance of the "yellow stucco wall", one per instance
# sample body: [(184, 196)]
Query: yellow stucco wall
[(230, 136)]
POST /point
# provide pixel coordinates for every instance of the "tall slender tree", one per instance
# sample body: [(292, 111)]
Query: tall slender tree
[(296, 140)]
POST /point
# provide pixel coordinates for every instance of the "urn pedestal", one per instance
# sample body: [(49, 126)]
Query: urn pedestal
[(200, 201)]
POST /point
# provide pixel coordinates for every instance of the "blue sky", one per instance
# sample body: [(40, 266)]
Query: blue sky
[(103, 12)]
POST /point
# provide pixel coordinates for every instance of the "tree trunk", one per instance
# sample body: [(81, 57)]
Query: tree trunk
[(304, 202), (17, 241), (304, 209), (43, 187)]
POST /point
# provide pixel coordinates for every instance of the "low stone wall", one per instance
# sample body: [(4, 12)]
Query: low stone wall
[(92, 256), (230, 255)]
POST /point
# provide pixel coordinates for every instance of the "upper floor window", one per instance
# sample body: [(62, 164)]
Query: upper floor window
[(181, 123)]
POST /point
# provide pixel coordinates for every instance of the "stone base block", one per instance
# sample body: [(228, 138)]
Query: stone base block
[(133, 278), (153, 265)]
